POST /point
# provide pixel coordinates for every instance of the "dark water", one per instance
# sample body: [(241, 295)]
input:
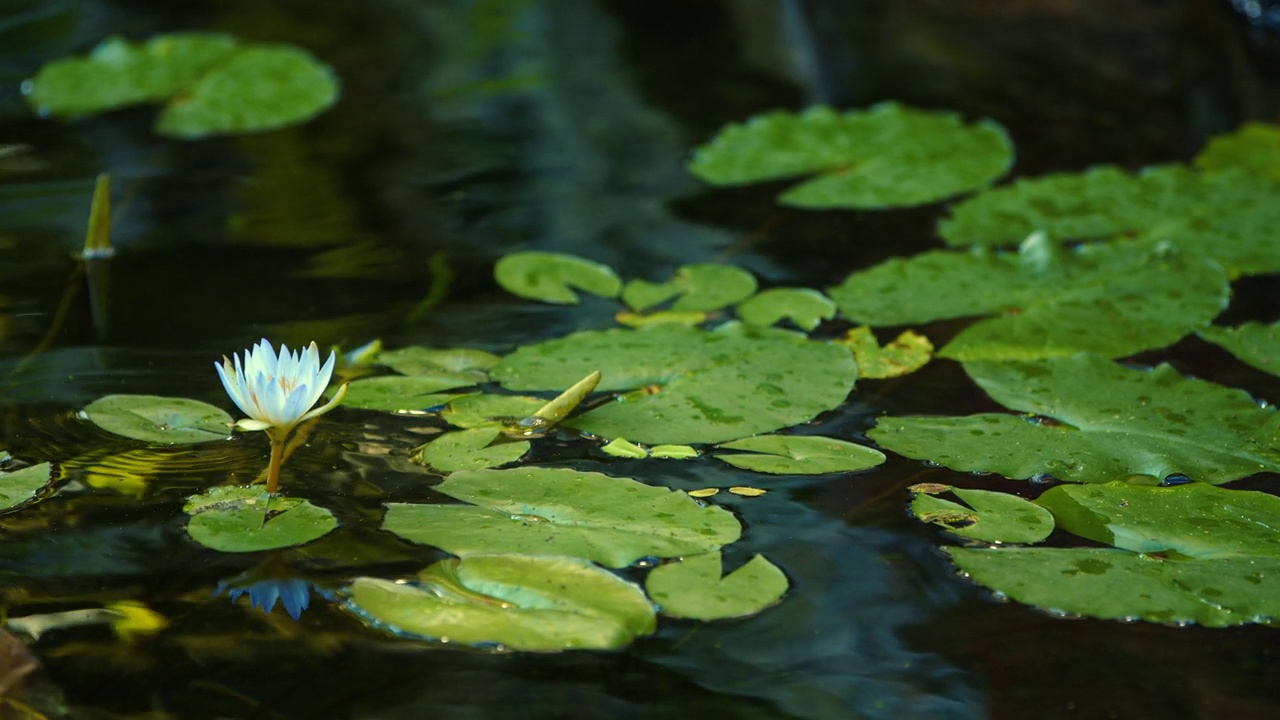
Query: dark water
[(469, 129)]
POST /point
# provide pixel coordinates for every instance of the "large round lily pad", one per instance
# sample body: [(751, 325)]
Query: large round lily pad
[(516, 602), (247, 519), (985, 515), (156, 419), (557, 511), (693, 386), (693, 587), (799, 455)]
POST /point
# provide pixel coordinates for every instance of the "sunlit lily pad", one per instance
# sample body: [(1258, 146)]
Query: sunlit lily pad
[(483, 409), (693, 587), (470, 450), (901, 356), (802, 306), (403, 393), (985, 515), (19, 486), (1092, 420), (1228, 215), (557, 511), (516, 602), (697, 288), (552, 277), (1110, 299), (247, 519), (1253, 343), (155, 419), (435, 362), (1117, 584), (1254, 147), (799, 455), (885, 156), (691, 385)]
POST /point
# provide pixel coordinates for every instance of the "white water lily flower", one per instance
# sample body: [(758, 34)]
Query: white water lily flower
[(277, 391)]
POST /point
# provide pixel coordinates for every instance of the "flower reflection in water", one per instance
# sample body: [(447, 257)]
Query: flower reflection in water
[(270, 583)]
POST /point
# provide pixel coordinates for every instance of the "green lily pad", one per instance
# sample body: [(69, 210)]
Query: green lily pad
[(700, 288), (516, 602), (460, 362), (20, 486), (901, 356), (624, 448), (247, 519), (799, 455), (551, 277), (802, 306), (557, 511), (469, 450), (1254, 344), (693, 588), (885, 156), (673, 452), (1110, 299), (987, 516), (486, 409), (1116, 584), (156, 419), (403, 393), (213, 84), (1228, 215), (1253, 147), (692, 385), (1195, 520), (1094, 421)]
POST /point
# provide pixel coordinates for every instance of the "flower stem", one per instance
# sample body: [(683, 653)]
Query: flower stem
[(277, 458)]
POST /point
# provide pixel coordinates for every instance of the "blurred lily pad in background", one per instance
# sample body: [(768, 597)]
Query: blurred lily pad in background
[(156, 419)]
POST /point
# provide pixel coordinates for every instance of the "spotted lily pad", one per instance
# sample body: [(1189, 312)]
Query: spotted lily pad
[(516, 602), (1253, 343), (19, 486), (799, 455), (557, 511), (470, 450), (693, 587), (1254, 147), (802, 306), (247, 519), (402, 393), (156, 419), (690, 385), (698, 288), (985, 515), (901, 356), (885, 156), (486, 409), (1091, 420), (1110, 299), (552, 277)]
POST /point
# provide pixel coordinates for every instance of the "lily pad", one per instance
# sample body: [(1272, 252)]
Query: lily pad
[(552, 277), (1091, 420), (885, 156), (1254, 344), (1193, 520), (901, 356), (156, 419), (802, 306), (700, 288), (434, 362), (1110, 299), (1254, 147), (691, 385), (19, 486), (516, 602), (469, 450), (985, 515), (799, 455), (1228, 215), (557, 511), (247, 519), (1117, 584), (486, 409), (403, 393), (693, 588)]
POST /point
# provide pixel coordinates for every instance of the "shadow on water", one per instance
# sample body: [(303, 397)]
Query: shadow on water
[(468, 130)]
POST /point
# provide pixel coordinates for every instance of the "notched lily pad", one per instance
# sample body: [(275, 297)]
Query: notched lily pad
[(1091, 420), (470, 450), (693, 587), (19, 486), (156, 419), (799, 455), (509, 602), (462, 363), (885, 156), (556, 511), (247, 519), (805, 307), (552, 277), (901, 356), (698, 288), (985, 515)]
